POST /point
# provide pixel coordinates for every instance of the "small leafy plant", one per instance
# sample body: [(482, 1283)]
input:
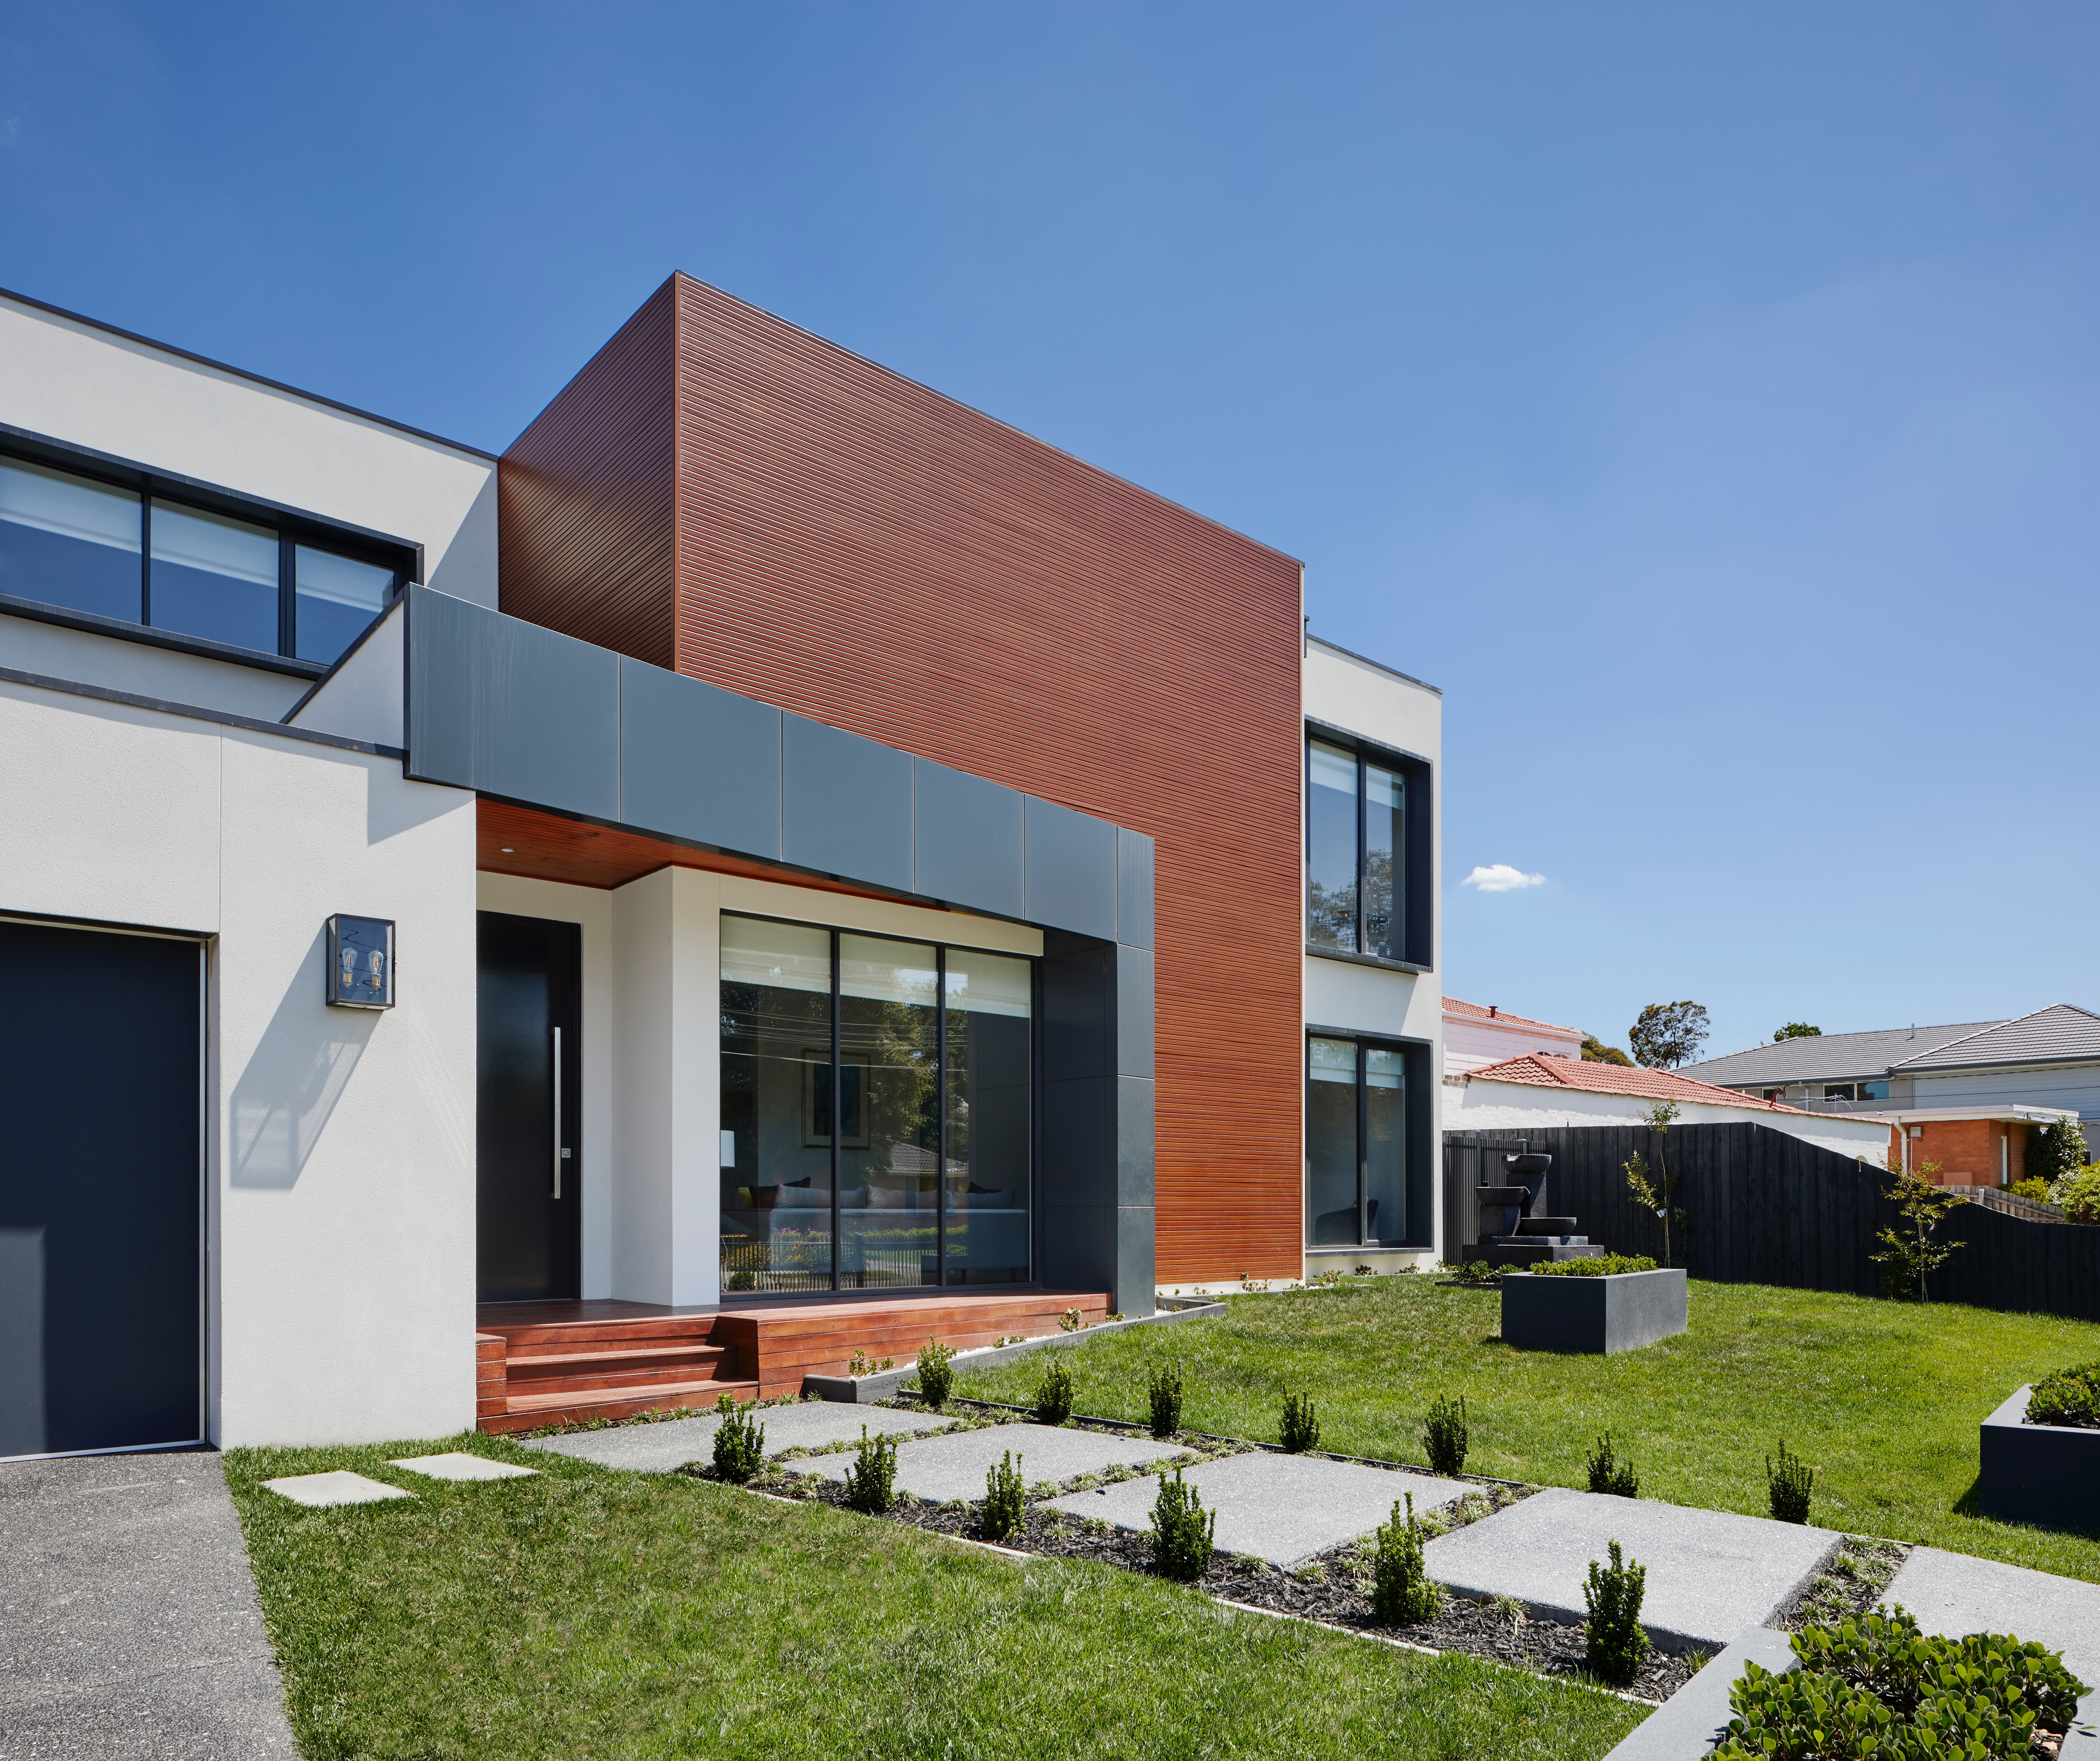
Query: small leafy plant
[(1596, 1266), (2070, 1397), (1003, 1499), (1401, 1588), (1165, 1393), (1610, 1472), (1617, 1641), (1479, 1272), (1789, 1486), (1071, 1320), (1445, 1439), (1911, 1251), (740, 1442), (871, 1480), (1301, 1424), (1053, 1395), (1182, 1531), (2036, 1190), (2077, 1196), (936, 1373)]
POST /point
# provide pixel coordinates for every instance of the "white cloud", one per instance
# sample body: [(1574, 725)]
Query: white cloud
[(1502, 879)]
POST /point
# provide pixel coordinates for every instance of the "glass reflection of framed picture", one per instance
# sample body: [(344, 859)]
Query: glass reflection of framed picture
[(817, 1102)]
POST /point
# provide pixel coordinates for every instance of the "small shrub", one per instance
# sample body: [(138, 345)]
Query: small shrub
[(1610, 1472), (2054, 1151), (1510, 1612), (1446, 1438), (1479, 1272), (740, 1442), (1401, 1588), (1788, 1486), (1301, 1424), (1617, 1641), (864, 1364), (2070, 1397), (1597, 1266), (871, 1480), (1071, 1320), (936, 1373), (1165, 1393), (2077, 1196), (1003, 1498), (1182, 1531), (1053, 1395), (2036, 1190)]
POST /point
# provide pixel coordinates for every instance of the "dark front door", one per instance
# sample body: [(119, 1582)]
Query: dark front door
[(101, 1190), (529, 1175)]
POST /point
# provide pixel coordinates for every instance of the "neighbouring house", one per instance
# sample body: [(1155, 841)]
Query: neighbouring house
[(642, 916), (1474, 1035), (1979, 1074), (1540, 1091)]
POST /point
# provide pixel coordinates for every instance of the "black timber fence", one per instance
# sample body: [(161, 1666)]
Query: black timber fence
[(1763, 1208)]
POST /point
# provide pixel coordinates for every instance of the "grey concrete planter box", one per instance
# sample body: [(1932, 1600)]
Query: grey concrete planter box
[(2046, 1474), (1620, 1313)]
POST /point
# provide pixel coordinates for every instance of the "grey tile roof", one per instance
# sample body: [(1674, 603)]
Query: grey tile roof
[(1832, 1057), (2062, 1033)]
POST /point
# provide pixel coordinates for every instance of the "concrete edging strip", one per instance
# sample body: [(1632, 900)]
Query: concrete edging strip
[(1690, 1722)]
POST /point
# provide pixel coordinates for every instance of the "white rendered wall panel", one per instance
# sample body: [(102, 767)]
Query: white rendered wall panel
[(83, 656), (1490, 1105)]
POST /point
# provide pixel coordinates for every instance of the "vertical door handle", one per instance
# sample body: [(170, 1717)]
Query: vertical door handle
[(558, 1112)]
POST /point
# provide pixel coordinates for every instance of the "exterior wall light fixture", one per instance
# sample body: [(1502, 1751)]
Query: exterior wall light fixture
[(360, 962)]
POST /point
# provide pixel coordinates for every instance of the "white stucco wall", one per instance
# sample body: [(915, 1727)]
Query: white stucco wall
[(72, 382), (1484, 1104), (340, 1151), (364, 698), (1470, 1042), (55, 652)]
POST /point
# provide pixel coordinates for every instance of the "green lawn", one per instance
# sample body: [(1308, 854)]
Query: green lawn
[(591, 1613), (1883, 1399)]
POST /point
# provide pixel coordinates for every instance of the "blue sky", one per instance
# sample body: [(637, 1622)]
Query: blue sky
[(1704, 396)]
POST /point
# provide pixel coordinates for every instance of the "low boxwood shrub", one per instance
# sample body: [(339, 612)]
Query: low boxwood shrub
[(1617, 1641), (1004, 1498), (1597, 1266), (1182, 1531), (740, 1442), (1401, 1588), (1875, 1688), (2070, 1397), (936, 1373), (1053, 1394), (1789, 1486), (1610, 1472), (1165, 1393), (871, 1480), (1445, 1438), (1301, 1424), (2036, 1190)]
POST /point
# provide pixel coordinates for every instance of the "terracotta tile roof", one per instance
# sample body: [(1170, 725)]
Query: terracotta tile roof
[(1476, 1011), (1539, 1070)]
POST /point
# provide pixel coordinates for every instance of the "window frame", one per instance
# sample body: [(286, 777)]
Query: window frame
[(294, 526), (1415, 864), (1416, 1175)]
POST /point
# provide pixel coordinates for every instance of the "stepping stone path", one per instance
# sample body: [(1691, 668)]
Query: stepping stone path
[(1282, 1508), (320, 1490), (666, 1447), (458, 1465), (1710, 1573), (954, 1466)]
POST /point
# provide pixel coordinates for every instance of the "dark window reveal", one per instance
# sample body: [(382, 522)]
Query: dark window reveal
[(1355, 821)]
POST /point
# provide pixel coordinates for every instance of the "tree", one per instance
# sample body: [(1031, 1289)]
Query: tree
[(1595, 1051), (1667, 1034), (1797, 1030), (1910, 1251), (1660, 1194), (2056, 1150)]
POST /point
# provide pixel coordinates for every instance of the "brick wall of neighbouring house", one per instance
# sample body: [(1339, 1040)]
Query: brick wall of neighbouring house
[(1966, 1150)]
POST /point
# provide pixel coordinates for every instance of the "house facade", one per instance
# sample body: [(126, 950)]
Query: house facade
[(775, 863), (1477, 1034)]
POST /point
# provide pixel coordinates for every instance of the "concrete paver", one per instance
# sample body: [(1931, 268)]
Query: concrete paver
[(129, 1627), (1282, 1508), (321, 1490), (456, 1464), (1710, 1573), (954, 1466), (666, 1447)]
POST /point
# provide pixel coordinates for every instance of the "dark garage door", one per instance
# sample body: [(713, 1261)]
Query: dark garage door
[(101, 1191)]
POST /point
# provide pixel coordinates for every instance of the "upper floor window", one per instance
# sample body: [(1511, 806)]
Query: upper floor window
[(84, 545), (1356, 815)]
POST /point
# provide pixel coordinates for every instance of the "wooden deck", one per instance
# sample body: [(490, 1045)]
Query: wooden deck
[(557, 1362)]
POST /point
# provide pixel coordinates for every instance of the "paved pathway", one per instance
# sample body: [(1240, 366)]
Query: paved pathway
[(129, 1628), (669, 1444), (954, 1466)]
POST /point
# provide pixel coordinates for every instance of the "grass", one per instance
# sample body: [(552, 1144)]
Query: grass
[(586, 1613), (1882, 1399)]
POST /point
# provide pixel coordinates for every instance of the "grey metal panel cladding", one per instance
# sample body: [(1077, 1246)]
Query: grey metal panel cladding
[(1135, 1279), (697, 762), (846, 804), (1134, 868), (1079, 1007), (1070, 871), (1079, 1131), (1134, 1011), (1134, 1143), (506, 708), (967, 833)]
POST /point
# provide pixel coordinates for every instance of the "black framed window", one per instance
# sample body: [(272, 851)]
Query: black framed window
[(1357, 1139), (248, 578), (1367, 852)]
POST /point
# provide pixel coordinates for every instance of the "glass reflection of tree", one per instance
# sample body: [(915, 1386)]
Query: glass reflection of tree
[(1333, 913), (1378, 900)]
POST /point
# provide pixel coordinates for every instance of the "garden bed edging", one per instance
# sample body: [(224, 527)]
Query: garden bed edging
[(2046, 1474), (1621, 1312)]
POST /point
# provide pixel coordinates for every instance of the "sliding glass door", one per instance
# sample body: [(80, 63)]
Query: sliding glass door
[(876, 1111), (1355, 1144)]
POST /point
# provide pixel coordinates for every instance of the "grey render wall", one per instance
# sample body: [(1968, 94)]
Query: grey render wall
[(509, 709)]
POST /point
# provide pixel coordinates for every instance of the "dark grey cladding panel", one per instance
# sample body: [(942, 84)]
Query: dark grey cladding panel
[(1078, 1247), (1133, 1003), (1079, 1007), (508, 708), (697, 762), (847, 805), (1135, 1280), (1135, 1106), (1071, 869), (967, 840), (1079, 1125), (1133, 887)]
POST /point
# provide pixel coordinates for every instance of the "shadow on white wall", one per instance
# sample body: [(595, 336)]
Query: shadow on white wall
[(292, 1082)]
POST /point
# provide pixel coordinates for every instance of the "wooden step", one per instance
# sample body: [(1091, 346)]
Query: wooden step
[(528, 1412), (620, 1369), (578, 1335)]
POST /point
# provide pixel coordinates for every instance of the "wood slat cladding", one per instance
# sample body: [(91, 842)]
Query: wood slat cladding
[(858, 549), (583, 498)]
